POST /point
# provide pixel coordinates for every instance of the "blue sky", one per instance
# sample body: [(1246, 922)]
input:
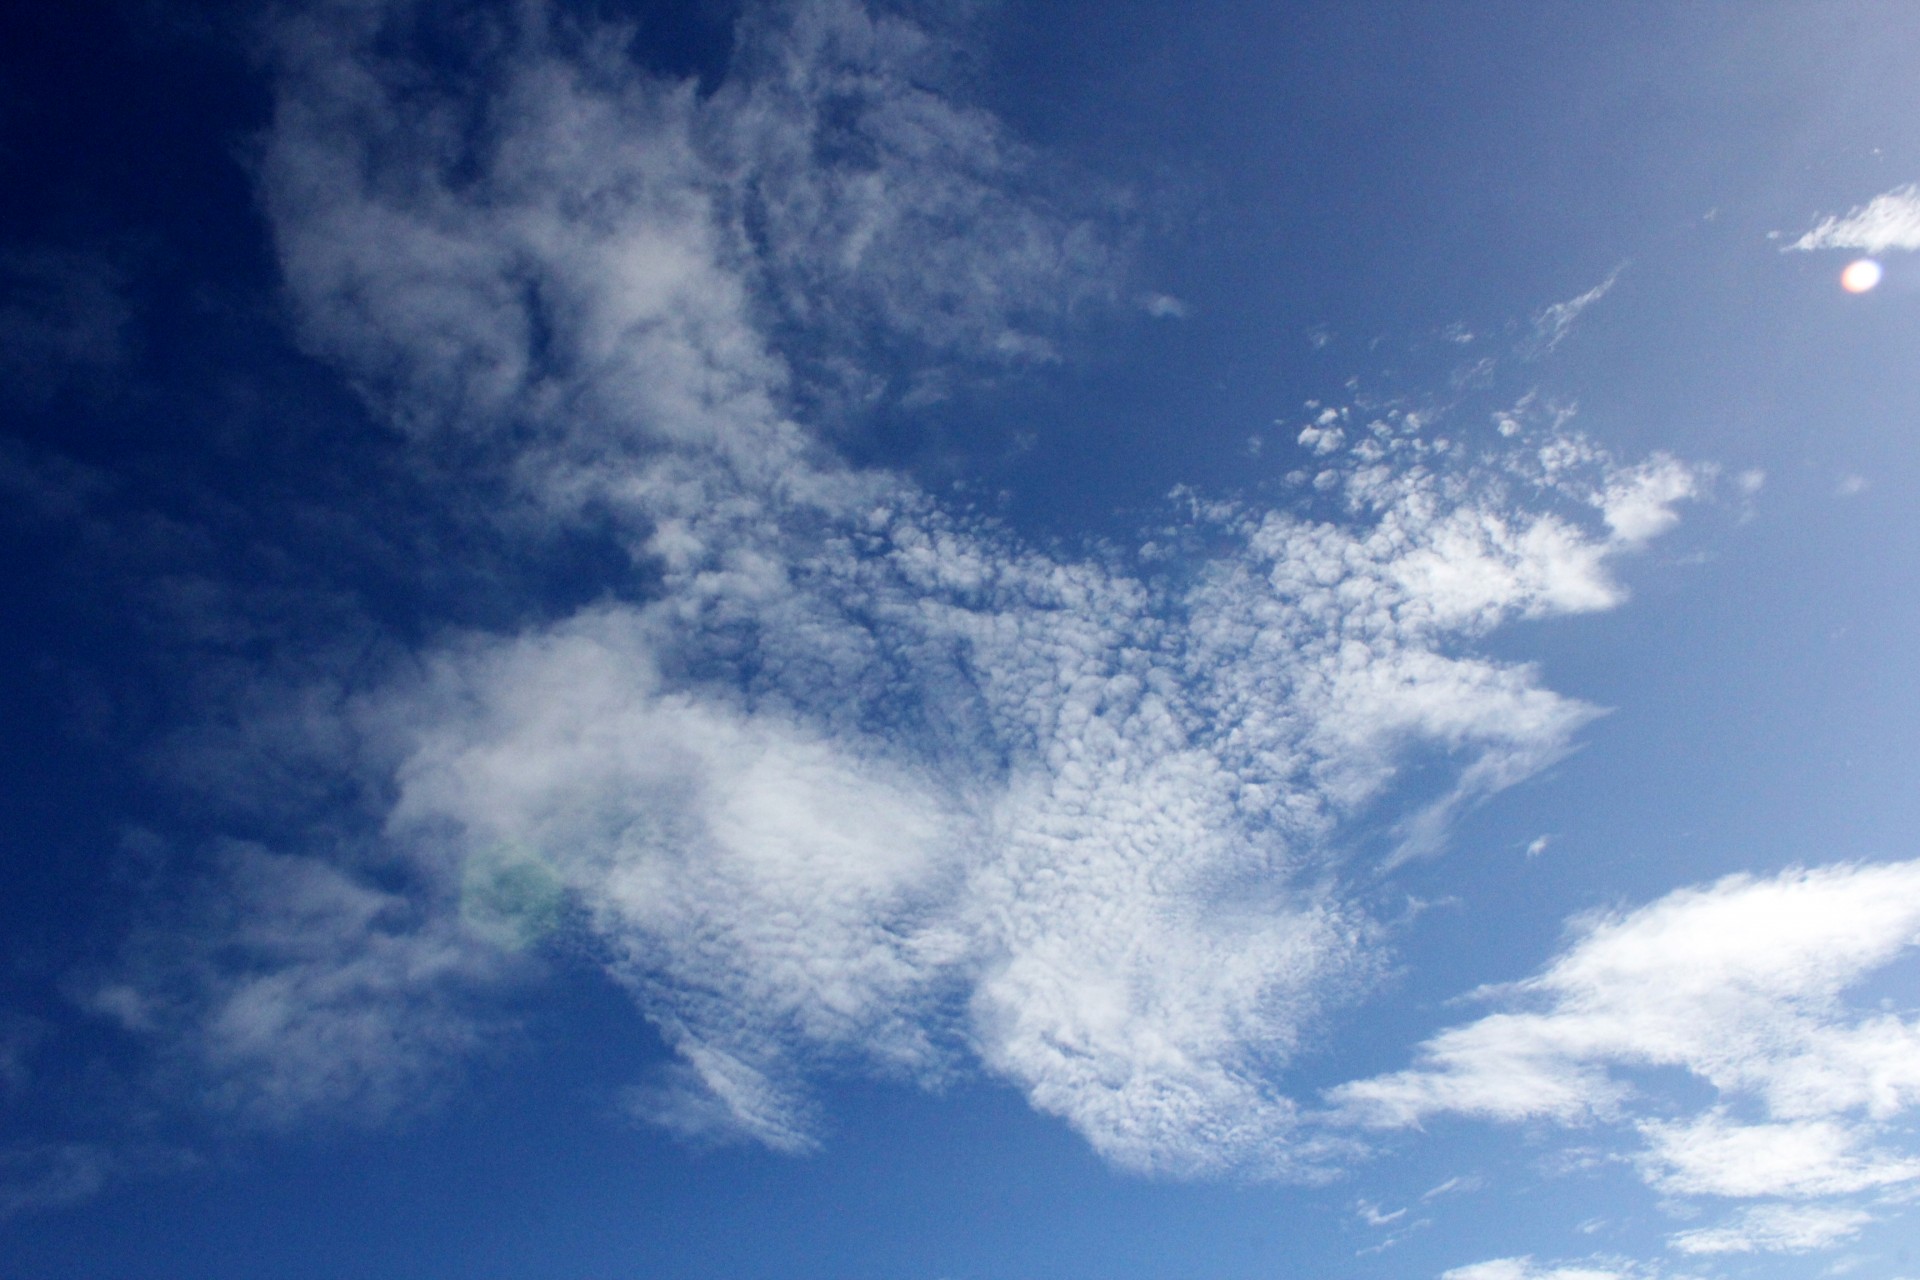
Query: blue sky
[(959, 640)]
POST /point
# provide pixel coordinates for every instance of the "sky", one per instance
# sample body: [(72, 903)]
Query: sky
[(959, 639)]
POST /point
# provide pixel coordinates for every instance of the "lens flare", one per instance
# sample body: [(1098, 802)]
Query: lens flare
[(1860, 276)]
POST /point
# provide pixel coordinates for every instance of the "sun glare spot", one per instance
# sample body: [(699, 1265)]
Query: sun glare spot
[(1860, 275)]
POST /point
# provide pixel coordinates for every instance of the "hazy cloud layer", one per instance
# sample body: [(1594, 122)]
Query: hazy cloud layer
[(291, 988), (64, 321)]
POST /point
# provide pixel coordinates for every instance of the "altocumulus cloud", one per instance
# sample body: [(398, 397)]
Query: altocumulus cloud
[(846, 777)]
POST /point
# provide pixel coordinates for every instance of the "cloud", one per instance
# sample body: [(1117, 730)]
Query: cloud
[(38, 1176), (929, 221), (1459, 1184), (1741, 984), (1372, 1214), (289, 989), (1775, 1228), (1712, 1156), (903, 791), (20, 1036), (1525, 1268), (1888, 221), (66, 320), (1554, 323), (41, 487), (842, 777), (610, 244)]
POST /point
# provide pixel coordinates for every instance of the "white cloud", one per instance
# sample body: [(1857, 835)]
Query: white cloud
[(1639, 503), (1775, 1228), (1554, 323), (862, 781), (1374, 1216), (1459, 1184), (1888, 221), (1739, 983), (1073, 822), (1713, 1156), (1525, 1268)]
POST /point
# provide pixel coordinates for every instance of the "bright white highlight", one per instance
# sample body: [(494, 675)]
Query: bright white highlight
[(1860, 275)]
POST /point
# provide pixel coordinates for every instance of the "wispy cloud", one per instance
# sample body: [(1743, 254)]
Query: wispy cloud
[(64, 320), (1741, 984), (1888, 221), (35, 1176), (1776, 1228), (289, 990), (929, 221), (1713, 1155), (1525, 1268), (1553, 324)]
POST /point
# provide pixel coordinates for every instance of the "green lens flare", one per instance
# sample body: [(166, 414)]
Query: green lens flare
[(510, 896)]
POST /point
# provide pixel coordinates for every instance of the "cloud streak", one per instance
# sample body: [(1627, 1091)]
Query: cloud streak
[(1553, 325), (1741, 984), (1888, 221), (1776, 1229)]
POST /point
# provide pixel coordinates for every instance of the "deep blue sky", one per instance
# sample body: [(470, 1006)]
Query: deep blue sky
[(958, 640)]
